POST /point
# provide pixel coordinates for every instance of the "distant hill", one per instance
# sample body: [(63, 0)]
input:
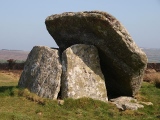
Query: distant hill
[(152, 54), (13, 54)]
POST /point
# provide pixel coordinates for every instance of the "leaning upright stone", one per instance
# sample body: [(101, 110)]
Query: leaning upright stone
[(123, 63), (82, 76), (42, 72)]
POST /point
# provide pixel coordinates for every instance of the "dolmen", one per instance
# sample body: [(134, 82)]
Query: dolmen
[(96, 58)]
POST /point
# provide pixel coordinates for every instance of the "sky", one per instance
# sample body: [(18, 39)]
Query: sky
[(22, 23)]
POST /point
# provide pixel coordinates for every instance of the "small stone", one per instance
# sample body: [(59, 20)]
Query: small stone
[(146, 103), (126, 103), (39, 113), (60, 102)]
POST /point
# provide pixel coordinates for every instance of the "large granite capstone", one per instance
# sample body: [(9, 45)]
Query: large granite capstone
[(42, 72), (82, 75), (122, 61)]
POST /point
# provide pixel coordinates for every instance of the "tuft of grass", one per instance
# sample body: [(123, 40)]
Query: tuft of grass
[(7, 90), (157, 82), (30, 96)]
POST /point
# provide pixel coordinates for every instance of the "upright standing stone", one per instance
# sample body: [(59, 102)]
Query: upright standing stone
[(42, 72), (123, 63), (82, 76)]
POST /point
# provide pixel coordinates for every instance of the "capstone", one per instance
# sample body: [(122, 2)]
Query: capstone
[(122, 61)]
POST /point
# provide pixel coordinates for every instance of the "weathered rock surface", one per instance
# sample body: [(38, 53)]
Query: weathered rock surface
[(42, 72), (122, 62), (82, 76), (126, 103)]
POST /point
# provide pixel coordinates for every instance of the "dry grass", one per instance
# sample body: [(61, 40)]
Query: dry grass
[(11, 76), (153, 78), (12, 73), (157, 82)]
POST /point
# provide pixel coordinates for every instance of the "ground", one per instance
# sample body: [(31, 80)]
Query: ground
[(20, 104)]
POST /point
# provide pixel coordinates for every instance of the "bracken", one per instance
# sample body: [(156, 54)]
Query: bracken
[(157, 82)]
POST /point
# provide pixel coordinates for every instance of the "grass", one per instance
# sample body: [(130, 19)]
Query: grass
[(20, 104)]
